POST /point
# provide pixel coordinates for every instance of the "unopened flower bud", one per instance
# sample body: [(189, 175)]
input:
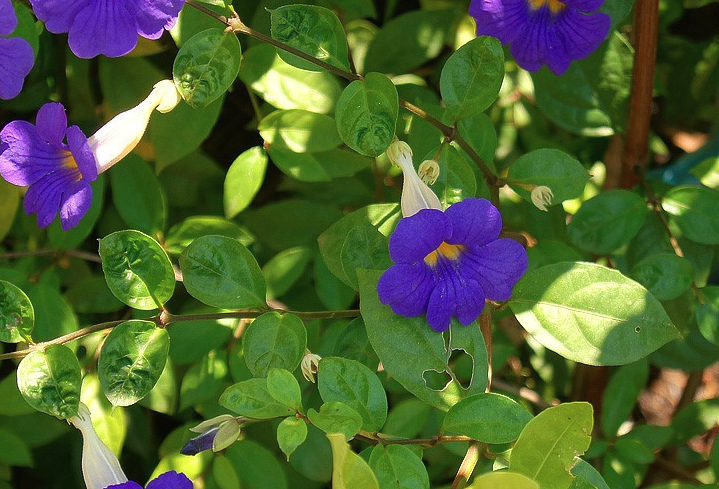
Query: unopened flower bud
[(308, 366), (215, 434), (416, 195), (428, 171), (542, 197)]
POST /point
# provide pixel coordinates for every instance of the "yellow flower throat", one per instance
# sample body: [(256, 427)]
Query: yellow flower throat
[(446, 250), (555, 6)]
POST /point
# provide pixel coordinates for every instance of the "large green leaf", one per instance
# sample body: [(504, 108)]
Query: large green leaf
[(696, 212), (50, 381), (243, 180), (274, 340), (591, 314), (299, 131), (472, 76), (398, 467), (367, 114), (505, 480), (221, 272), (252, 398), (138, 196), (17, 317), (607, 221), (551, 442), (132, 360), (206, 66), (313, 30), (621, 395), (355, 385), (137, 269), (487, 417)]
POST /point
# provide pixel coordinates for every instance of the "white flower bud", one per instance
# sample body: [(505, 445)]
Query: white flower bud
[(416, 195), (308, 366), (542, 197), (100, 467), (113, 141)]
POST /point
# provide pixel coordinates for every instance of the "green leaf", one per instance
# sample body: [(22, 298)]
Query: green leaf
[(300, 131), (9, 203), (204, 381), (50, 381), (243, 180), (456, 180), (274, 340), (708, 172), (138, 196), (251, 398), (398, 467), (587, 477), (137, 269), (336, 417), (621, 395), (564, 175), (221, 272), (131, 361), (367, 114), (17, 317), (92, 295), (411, 352), (319, 167), (206, 66), (472, 76), (291, 433), (350, 244), (487, 417), (313, 30), (286, 87), (185, 232), (349, 470), (224, 473), (694, 419), (14, 451), (696, 212), (355, 385), (505, 480), (284, 388), (551, 442), (708, 314), (411, 39), (665, 275), (256, 466), (591, 314), (284, 269), (607, 221)]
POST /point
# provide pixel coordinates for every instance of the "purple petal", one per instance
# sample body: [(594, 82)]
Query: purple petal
[(125, 485), (503, 19), (51, 123), (200, 443), (497, 266), (26, 158), (418, 235), (57, 14), (103, 28), (8, 19), (474, 222), (152, 17), (84, 158), (583, 5), (406, 288), (16, 60), (581, 34), (538, 39), (75, 204), (454, 295), (170, 480), (44, 197)]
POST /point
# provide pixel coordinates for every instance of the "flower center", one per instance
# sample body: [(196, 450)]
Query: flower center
[(555, 6), (70, 165), (444, 250)]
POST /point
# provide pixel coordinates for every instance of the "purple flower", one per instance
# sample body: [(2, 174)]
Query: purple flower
[(448, 263), (168, 480), (16, 55), (107, 27), (58, 174), (550, 32)]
